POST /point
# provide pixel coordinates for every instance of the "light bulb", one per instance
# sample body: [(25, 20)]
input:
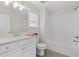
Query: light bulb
[(21, 7), (15, 5), (7, 3)]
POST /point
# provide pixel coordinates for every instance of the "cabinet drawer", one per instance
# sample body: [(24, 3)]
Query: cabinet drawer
[(27, 42), (22, 43), (7, 47), (2, 49), (32, 41), (10, 46)]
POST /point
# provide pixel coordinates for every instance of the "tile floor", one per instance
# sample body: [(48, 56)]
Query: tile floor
[(49, 53)]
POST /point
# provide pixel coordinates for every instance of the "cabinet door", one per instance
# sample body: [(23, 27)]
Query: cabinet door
[(29, 52), (7, 47), (25, 48), (29, 49), (13, 53)]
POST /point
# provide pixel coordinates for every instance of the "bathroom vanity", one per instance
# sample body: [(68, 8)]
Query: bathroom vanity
[(21, 46), (14, 21)]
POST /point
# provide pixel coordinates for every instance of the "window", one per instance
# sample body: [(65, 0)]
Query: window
[(33, 21)]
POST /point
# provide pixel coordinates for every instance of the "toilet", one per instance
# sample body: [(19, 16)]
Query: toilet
[(40, 49)]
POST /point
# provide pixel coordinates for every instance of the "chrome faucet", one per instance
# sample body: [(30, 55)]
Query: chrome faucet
[(76, 38)]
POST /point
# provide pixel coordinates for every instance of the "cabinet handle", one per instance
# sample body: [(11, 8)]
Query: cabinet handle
[(7, 47), (77, 37), (23, 48)]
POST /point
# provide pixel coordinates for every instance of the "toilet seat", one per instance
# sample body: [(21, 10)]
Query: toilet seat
[(41, 45)]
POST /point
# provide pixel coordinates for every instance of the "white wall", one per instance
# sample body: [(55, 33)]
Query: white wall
[(42, 24), (60, 34), (45, 22)]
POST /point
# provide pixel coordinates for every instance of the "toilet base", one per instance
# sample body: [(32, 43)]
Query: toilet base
[(40, 52)]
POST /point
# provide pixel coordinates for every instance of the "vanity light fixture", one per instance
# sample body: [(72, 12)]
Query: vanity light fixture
[(15, 5), (21, 7), (7, 2)]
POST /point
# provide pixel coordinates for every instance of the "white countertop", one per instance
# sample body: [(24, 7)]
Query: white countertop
[(12, 38)]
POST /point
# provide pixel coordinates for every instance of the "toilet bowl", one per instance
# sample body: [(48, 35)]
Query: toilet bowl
[(40, 49)]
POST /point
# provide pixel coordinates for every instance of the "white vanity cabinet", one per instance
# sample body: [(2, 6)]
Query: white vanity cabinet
[(20, 48), (29, 49)]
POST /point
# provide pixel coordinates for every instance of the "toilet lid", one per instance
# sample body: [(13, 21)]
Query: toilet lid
[(41, 45)]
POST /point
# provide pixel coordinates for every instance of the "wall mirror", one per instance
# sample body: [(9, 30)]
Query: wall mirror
[(13, 20)]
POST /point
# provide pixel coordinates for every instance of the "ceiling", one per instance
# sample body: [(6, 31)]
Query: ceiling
[(55, 6)]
